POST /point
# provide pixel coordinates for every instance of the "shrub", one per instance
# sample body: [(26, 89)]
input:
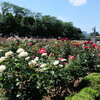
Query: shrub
[(97, 68), (41, 68), (85, 94), (92, 80)]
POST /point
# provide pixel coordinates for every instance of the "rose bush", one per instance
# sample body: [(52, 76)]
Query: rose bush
[(31, 69)]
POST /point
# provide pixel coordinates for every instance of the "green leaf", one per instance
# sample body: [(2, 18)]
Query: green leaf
[(52, 72), (18, 94), (33, 75), (17, 83), (10, 75), (0, 74), (1, 79)]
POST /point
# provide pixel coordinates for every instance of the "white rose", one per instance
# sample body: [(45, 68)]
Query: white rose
[(56, 42), (43, 65), (1, 50), (43, 69), (32, 62), (44, 54), (36, 59), (56, 62), (2, 59), (2, 68), (63, 60), (23, 54), (27, 58), (60, 65), (20, 50), (9, 53)]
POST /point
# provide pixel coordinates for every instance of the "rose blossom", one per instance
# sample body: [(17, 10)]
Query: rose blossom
[(60, 65), (93, 45), (36, 59), (9, 53), (2, 68), (32, 63), (30, 43), (23, 54), (71, 57), (2, 59), (43, 65), (20, 50), (43, 48), (1, 50), (57, 45), (77, 45), (62, 39), (27, 58), (42, 51), (56, 62), (44, 54), (62, 59), (85, 42), (91, 42), (85, 47), (66, 39)]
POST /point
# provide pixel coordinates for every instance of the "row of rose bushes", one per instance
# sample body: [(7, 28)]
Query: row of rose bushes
[(31, 69)]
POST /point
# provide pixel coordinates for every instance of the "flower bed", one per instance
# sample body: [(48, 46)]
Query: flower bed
[(34, 68)]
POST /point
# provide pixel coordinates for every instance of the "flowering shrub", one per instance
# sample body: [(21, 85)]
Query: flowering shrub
[(31, 69)]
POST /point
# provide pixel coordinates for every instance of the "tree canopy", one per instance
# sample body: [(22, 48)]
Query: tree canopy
[(15, 20)]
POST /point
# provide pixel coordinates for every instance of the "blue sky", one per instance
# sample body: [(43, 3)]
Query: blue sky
[(83, 13)]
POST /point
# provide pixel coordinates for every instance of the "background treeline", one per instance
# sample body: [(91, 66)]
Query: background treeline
[(15, 20)]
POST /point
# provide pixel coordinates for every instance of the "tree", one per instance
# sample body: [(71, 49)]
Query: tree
[(15, 19), (5, 8), (27, 26), (9, 25), (96, 34)]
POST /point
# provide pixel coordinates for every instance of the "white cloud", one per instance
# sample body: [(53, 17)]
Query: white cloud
[(61, 18), (77, 2)]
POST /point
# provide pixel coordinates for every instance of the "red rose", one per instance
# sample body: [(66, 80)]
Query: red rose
[(62, 39), (62, 59), (91, 42), (64, 63), (43, 48), (93, 45), (57, 45), (85, 47), (71, 57), (97, 47), (33, 56), (42, 51), (66, 39), (30, 43), (85, 42), (77, 45)]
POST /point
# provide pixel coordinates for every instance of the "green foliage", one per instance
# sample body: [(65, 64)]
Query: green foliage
[(32, 69), (97, 69), (92, 80), (85, 94), (19, 21)]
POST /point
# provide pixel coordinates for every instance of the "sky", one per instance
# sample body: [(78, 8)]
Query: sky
[(83, 13)]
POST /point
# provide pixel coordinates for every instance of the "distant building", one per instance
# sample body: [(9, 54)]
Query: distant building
[(97, 37), (85, 34)]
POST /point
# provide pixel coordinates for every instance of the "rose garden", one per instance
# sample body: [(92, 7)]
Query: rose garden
[(42, 69), (44, 58)]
